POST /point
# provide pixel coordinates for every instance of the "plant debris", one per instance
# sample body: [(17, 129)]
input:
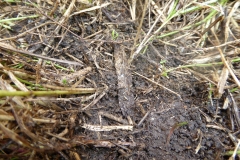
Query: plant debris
[(119, 79)]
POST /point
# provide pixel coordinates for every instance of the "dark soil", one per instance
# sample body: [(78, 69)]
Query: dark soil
[(166, 110), (158, 136)]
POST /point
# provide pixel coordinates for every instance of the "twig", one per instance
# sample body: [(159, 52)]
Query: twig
[(99, 128), (144, 117)]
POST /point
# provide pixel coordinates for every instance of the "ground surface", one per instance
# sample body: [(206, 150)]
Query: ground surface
[(160, 135), (165, 111)]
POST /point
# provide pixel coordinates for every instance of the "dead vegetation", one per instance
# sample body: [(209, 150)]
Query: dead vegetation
[(67, 65)]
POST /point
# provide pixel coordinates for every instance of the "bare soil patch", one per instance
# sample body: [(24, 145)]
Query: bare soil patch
[(113, 109)]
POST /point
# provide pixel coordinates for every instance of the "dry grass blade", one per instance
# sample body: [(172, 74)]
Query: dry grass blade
[(73, 76), (53, 107), (26, 32), (10, 48), (22, 126), (110, 116), (222, 81), (91, 9), (235, 151), (133, 54), (14, 79), (235, 111), (66, 15), (219, 19), (227, 65), (9, 117), (200, 141), (4, 85), (133, 9), (97, 99), (237, 41), (229, 17), (212, 57), (158, 84), (144, 41), (15, 137), (100, 128)]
